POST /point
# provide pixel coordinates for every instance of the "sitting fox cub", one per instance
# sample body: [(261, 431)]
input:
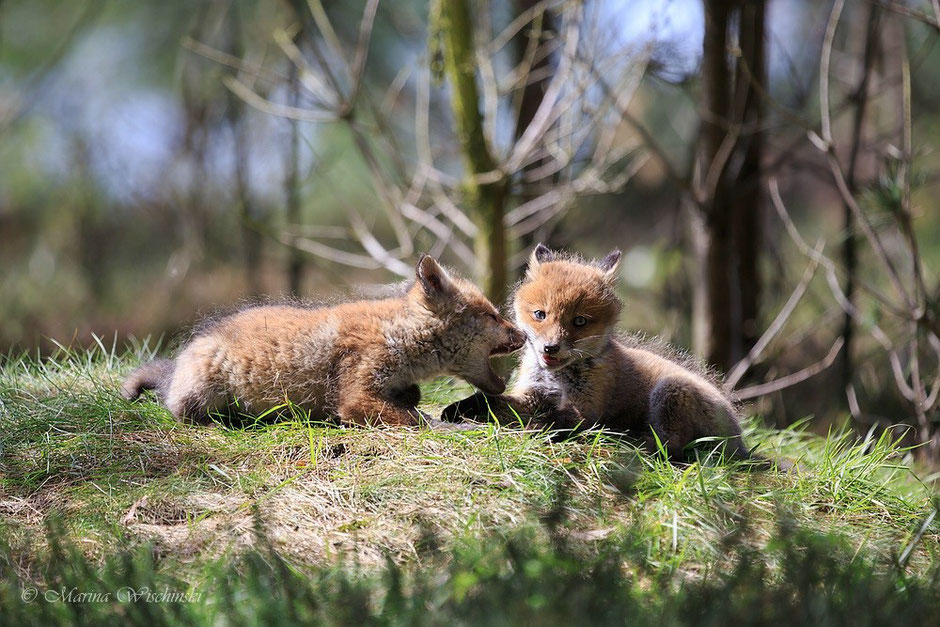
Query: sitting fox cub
[(576, 373), (360, 361)]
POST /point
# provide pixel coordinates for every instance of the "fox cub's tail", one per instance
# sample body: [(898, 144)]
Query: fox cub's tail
[(154, 375)]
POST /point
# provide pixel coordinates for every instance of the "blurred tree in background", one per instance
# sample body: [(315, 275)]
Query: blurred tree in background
[(726, 184), (766, 166)]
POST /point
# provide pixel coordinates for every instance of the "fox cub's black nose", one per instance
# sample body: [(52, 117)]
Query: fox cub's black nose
[(550, 349)]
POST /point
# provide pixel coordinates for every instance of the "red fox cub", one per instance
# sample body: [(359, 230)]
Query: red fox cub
[(358, 361), (575, 372)]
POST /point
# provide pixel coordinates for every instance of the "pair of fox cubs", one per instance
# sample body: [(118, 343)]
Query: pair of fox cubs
[(362, 361)]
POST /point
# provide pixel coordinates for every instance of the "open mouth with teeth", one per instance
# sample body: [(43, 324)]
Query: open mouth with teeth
[(551, 361), (492, 383), (507, 348)]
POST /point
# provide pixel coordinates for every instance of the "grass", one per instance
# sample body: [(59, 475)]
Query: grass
[(130, 492)]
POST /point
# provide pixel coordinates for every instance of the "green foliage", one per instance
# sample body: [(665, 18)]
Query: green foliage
[(501, 580)]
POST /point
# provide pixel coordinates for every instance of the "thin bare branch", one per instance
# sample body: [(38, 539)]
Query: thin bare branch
[(717, 166), (326, 94), (604, 156), (873, 238), (523, 75), (331, 254), (777, 325), (444, 233), (876, 332), (250, 97), (850, 308), (792, 379), (901, 9), (546, 111), (487, 77), (316, 230), (648, 140), (533, 206), (374, 247), (423, 143), (824, 143), (329, 35), (905, 218), (362, 52), (520, 22), (389, 194), (394, 89), (856, 409), (546, 214), (229, 60), (823, 260), (917, 385), (824, 61)]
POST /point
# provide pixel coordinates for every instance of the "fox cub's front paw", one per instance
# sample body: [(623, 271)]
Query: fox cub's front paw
[(476, 407)]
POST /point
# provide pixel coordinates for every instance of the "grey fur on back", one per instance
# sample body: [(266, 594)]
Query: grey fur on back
[(659, 346)]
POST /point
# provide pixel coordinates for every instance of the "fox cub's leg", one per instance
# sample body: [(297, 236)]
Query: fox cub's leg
[(365, 407), (409, 396), (198, 402), (479, 406), (191, 393), (535, 410), (680, 413)]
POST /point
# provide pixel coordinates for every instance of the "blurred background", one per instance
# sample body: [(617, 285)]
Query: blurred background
[(765, 166)]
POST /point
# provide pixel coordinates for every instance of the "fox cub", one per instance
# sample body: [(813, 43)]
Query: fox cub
[(358, 361), (576, 373)]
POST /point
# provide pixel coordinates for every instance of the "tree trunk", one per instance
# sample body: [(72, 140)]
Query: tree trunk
[(714, 336), (531, 95), (487, 200), (728, 228), (292, 190), (747, 205), (850, 246), (251, 238), (236, 110)]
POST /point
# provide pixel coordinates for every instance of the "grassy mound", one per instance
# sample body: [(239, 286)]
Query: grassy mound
[(307, 519)]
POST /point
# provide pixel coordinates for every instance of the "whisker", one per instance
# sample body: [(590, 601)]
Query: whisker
[(581, 354), (589, 337)]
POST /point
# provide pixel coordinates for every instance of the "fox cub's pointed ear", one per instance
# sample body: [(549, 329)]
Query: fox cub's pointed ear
[(433, 277), (610, 263), (540, 255)]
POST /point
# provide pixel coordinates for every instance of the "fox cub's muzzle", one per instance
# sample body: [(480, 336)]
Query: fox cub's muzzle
[(552, 352), (514, 340)]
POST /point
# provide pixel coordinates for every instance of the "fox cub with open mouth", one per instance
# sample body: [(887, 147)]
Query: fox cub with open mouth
[(576, 373), (360, 362)]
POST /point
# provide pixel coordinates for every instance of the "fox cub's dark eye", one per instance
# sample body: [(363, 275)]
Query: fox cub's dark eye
[(538, 314), (579, 321)]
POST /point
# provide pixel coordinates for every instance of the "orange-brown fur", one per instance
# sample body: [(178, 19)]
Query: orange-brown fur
[(360, 361), (592, 377)]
